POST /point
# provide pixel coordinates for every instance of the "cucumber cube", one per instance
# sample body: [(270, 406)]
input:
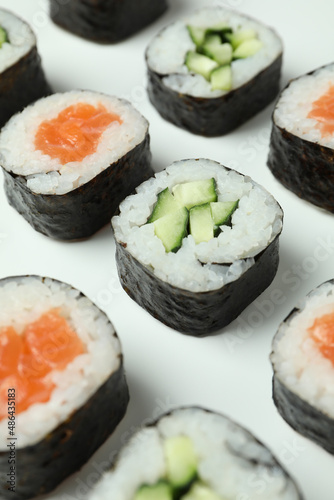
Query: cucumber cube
[(221, 211), (165, 204), (221, 53), (212, 40), (189, 194), (3, 36), (247, 48), (159, 491), (172, 228), (221, 78), (197, 34), (181, 460), (240, 36), (200, 64), (200, 491), (201, 223)]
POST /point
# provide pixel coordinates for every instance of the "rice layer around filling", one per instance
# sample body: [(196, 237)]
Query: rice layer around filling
[(166, 53), (23, 301), (297, 361), (49, 176), (207, 265), (21, 39)]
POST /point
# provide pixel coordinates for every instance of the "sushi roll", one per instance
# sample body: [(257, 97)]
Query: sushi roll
[(195, 454), (302, 137), (303, 364), (62, 384), (213, 70), (69, 159), (107, 21), (197, 244), (22, 79)]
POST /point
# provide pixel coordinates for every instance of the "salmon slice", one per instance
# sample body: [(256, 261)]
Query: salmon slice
[(322, 332), (47, 344), (323, 111), (75, 133)]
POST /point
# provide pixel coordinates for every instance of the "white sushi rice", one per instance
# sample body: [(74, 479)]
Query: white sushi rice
[(224, 449), (296, 359), (20, 36), (167, 51), (23, 301), (46, 175), (296, 102), (255, 224)]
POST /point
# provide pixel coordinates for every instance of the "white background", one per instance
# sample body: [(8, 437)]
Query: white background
[(229, 372)]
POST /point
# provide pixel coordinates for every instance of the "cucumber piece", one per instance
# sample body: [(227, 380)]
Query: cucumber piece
[(221, 211), (189, 194), (221, 53), (221, 78), (197, 34), (200, 64), (201, 223), (220, 29), (159, 491), (212, 40), (200, 491), (3, 36), (172, 228), (165, 204), (181, 460), (240, 36), (247, 48)]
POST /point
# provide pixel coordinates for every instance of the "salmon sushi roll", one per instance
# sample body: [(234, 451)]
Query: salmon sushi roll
[(303, 363), (69, 159), (62, 384), (195, 454), (302, 137), (22, 78)]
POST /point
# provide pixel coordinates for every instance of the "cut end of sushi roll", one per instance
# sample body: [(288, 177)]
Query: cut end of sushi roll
[(303, 363), (194, 237), (22, 79), (212, 71), (61, 372), (303, 136), (82, 152), (214, 459)]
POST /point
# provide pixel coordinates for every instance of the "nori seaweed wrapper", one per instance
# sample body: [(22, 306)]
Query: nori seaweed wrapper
[(106, 21), (83, 211), (219, 115), (195, 313), (42, 466), (304, 418), (304, 167)]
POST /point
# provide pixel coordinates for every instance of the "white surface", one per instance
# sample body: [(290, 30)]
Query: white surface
[(229, 372)]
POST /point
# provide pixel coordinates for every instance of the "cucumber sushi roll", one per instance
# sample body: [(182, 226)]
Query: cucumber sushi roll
[(22, 79), (302, 137), (69, 159), (303, 363), (62, 384), (197, 244), (213, 70), (195, 454), (107, 21)]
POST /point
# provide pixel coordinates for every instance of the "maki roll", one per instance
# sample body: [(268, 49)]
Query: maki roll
[(106, 20), (303, 363), (197, 244), (213, 70), (302, 137), (69, 160), (62, 384), (194, 454), (22, 79)]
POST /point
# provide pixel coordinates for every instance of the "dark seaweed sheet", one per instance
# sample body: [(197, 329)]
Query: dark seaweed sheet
[(106, 20)]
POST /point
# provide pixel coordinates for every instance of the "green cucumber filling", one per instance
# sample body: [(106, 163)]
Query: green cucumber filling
[(3, 36), (182, 480), (191, 208), (216, 48)]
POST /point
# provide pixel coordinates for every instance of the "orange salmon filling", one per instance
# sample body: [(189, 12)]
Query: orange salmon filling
[(75, 133), (322, 332), (323, 111), (45, 345)]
